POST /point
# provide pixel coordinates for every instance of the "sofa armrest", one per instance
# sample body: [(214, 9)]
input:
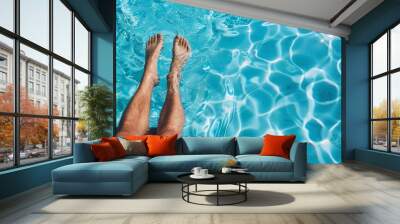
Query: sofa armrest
[(83, 152), (298, 155)]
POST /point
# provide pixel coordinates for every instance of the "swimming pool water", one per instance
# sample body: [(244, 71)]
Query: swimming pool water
[(245, 77)]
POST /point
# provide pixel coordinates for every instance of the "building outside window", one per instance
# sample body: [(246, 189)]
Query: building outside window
[(58, 128), (385, 94)]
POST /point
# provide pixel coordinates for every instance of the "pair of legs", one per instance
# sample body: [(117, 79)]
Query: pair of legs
[(135, 120)]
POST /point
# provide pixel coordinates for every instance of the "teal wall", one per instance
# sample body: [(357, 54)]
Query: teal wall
[(357, 84), (102, 58), (24, 178)]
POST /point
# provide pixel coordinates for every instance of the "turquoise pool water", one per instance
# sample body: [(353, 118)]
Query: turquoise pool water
[(245, 77)]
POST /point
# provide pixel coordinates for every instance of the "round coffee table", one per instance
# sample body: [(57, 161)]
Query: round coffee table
[(238, 179)]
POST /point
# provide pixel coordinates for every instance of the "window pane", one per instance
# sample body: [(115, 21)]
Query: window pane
[(81, 82), (81, 131), (6, 142), (7, 14), (34, 72), (379, 135), (395, 47), (33, 140), (379, 55), (395, 130), (62, 138), (62, 89), (81, 45), (379, 97), (62, 29), (6, 74), (35, 21), (395, 94)]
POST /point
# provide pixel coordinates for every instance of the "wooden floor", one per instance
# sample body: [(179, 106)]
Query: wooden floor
[(377, 188)]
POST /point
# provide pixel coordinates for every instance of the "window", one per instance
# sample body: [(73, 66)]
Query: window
[(35, 21), (3, 61), (6, 73), (385, 94), (7, 14), (37, 89), (6, 142), (30, 88), (47, 75), (62, 31), (81, 82), (62, 74), (30, 72), (38, 74), (3, 78), (62, 137), (81, 45), (44, 91)]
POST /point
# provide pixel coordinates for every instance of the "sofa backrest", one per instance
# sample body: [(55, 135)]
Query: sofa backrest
[(249, 145), (83, 152), (206, 145)]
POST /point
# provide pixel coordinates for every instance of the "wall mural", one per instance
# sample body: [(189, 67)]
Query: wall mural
[(245, 77)]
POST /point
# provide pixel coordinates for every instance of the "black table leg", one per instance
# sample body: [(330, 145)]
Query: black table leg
[(217, 194), (195, 188), (245, 193), (188, 190)]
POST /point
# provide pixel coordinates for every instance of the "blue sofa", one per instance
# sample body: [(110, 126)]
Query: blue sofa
[(125, 176)]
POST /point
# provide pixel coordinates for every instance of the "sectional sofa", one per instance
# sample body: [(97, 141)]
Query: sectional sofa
[(125, 176)]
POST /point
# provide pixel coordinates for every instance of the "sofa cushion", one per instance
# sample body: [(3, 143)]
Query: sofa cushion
[(111, 171), (116, 145), (207, 145), (277, 145), (257, 163), (249, 145), (103, 152), (185, 163), (161, 145)]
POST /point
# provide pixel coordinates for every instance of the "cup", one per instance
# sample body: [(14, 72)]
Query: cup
[(226, 170), (196, 171), (203, 172)]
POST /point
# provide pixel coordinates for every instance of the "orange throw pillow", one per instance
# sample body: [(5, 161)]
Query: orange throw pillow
[(103, 152), (136, 137), (277, 145), (116, 145), (161, 145)]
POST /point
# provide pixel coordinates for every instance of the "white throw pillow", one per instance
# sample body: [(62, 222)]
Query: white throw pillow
[(134, 147)]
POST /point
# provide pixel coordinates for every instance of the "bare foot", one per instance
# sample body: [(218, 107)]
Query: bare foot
[(181, 53), (153, 48)]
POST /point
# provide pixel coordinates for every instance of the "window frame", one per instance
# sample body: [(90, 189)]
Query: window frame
[(388, 74), (16, 115)]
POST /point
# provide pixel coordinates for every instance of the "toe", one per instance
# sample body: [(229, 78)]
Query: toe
[(181, 41)]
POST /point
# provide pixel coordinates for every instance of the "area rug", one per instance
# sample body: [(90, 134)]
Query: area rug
[(166, 198)]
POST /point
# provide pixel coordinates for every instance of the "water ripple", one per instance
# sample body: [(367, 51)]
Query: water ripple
[(245, 77)]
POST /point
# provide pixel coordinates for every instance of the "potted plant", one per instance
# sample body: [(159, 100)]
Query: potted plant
[(96, 103)]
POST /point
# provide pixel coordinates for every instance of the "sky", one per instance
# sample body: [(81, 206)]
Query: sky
[(35, 27)]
